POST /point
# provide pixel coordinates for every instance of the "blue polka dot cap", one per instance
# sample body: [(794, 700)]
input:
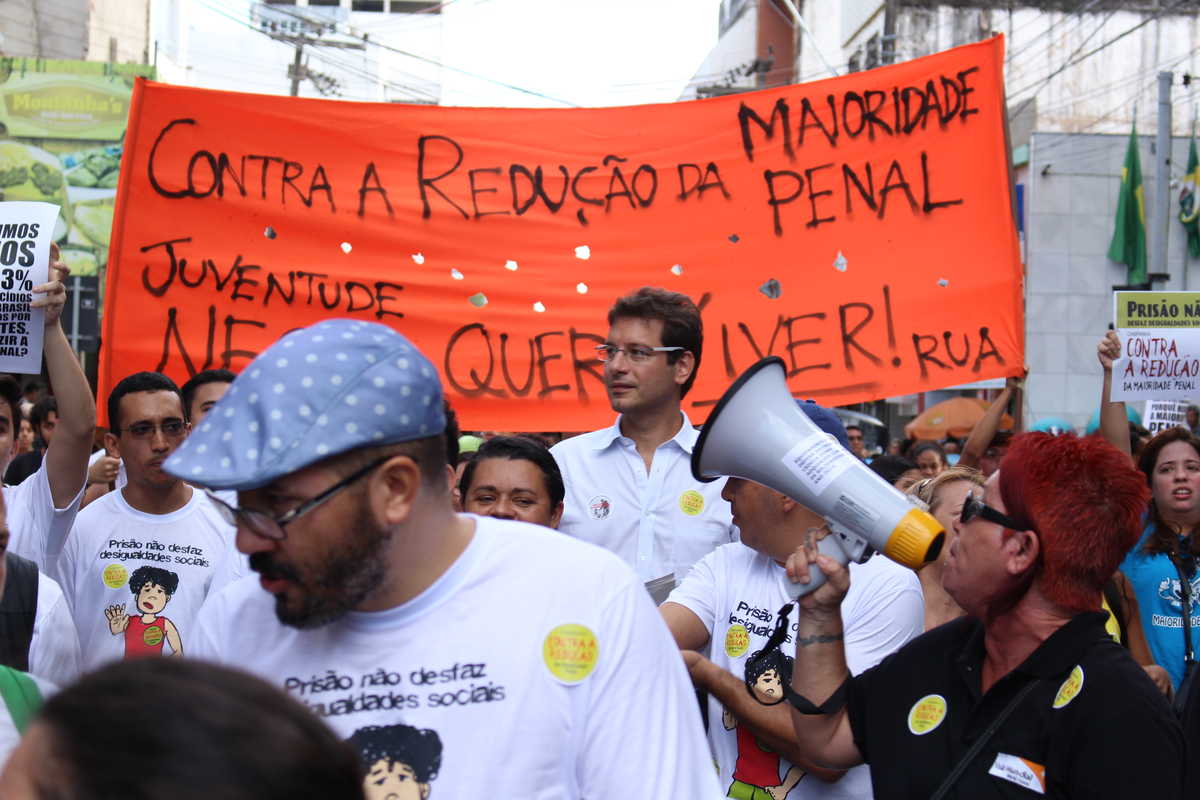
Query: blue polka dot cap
[(326, 389)]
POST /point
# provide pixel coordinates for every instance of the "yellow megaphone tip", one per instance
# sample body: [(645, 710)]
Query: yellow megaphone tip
[(916, 540)]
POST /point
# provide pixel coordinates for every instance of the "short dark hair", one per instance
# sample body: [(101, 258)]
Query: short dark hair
[(419, 749), (10, 392), (168, 580), (452, 433), (188, 390), (41, 412), (518, 448), (890, 468), (226, 734), (855, 427), (927, 446), (682, 325), (429, 453), (139, 382)]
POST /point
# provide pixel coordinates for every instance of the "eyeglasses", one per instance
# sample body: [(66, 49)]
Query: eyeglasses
[(974, 507), (171, 428), (638, 354), (270, 527)]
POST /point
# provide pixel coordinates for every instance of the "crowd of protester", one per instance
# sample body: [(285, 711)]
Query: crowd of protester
[(265, 584)]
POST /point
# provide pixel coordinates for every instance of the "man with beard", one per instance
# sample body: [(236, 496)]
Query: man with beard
[(155, 520), (383, 606), (629, 486)]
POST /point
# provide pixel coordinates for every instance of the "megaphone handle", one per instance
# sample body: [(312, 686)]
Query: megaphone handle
[(830, 546)]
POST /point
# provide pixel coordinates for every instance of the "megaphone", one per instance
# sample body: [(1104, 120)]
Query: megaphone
[(757, 432)]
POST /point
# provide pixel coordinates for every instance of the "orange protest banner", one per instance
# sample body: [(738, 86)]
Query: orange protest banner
[(859, 227)]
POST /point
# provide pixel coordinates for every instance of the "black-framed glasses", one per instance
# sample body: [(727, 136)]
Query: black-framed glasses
[(974, 507), (171, 428), (272, 528), (637, 353)]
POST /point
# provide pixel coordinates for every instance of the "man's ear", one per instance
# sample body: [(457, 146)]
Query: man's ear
[(556, 516), (112, 445), (684, 366), (455, 494), (394, 489)]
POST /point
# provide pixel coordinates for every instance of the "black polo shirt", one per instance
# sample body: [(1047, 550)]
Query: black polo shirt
[(1095, 726)]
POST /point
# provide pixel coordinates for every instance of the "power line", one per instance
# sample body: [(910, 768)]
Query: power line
[(1072, 60), (366, 40)]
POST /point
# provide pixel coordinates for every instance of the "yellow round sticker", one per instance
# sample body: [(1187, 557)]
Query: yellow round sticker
[(570, 652), (1070, 688), (737, 640), (691, 502), (926, 714), (114, 576), (152, 636)]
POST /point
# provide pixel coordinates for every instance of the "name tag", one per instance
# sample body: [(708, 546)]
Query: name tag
[(1020, 771)]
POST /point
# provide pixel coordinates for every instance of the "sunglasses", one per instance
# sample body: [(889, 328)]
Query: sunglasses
[(974, 507)]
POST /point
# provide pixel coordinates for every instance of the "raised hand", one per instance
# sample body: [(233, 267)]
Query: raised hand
[(118, 620), (1108, 350), (54, 291)]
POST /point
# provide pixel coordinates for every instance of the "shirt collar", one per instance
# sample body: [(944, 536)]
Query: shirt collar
[(1061, 651), (685, 438)]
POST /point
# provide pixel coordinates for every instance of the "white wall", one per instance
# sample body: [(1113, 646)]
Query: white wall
[(733, 51), (1070, 213), (44, 28), (126, 23)]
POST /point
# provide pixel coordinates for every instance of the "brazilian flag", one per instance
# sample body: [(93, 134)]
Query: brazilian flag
[(1189, 203), (1128, 244)]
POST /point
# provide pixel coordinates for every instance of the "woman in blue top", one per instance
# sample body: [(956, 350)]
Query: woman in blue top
[(1171, 463)]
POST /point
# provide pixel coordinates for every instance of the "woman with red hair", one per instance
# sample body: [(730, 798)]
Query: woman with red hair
[(1031, 662)]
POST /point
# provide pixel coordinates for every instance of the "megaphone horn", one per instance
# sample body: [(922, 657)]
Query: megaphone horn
[(757, 432)]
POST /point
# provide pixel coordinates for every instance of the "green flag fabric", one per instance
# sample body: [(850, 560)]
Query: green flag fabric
[(1189, 208), (1128, 244)]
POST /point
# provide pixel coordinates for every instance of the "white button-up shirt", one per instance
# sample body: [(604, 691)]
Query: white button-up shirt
[(659, 522)]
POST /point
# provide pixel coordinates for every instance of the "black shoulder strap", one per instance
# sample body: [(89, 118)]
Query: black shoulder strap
[(1185, 595), (986, 737), (18, 609)]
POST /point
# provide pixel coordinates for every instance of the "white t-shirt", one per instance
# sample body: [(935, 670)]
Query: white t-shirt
[(54, 649), (111, 542), (535, 666), (658, 523), (122, 477), (9, 737), (736, 592), (37, 530)]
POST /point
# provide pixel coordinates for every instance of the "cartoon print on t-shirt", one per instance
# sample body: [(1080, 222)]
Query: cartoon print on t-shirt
[(756, 773), (1171, 590), (145, 631), (398, 761)]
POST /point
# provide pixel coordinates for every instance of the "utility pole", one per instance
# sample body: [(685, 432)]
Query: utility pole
[(1160, 229), (297, 67), (291, 27)]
